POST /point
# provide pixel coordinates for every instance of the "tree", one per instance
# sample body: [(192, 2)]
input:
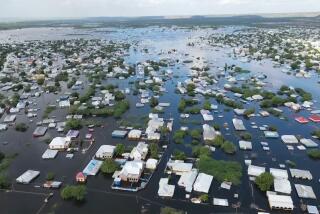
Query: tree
[(264, 181), (21, 127), (179, 155), (314, 154), (204, 197), (50, 176), (207, 105), (228, 147), (120, 149), (118, 95), (4, 182), (73, 124), (40, 81), (195, 134), (109, 166), (153, 150), (199, 151), (73, 192), (153, 102)]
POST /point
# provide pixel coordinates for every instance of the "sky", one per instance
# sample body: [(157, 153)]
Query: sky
[(31, 9)]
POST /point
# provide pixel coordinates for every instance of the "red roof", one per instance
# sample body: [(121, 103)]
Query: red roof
[(301, 120), (315, 118), (80, 176)]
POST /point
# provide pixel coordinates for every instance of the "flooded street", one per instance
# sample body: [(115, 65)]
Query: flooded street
[(156, 43)]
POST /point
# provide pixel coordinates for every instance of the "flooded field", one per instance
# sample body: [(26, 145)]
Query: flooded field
[(156, 43)]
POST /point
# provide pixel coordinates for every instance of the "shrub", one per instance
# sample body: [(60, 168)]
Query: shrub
[(50, 176), (109, 166), (264, 181), (228, 147), (195, 134), (179, 155), (120, 149), (73, 192), (314, 154), (221, 170), (21, 127)]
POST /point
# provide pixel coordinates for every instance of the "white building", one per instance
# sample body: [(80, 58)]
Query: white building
[(131, 171), (140, 151), (105, 151), (203, 183), (60, 143)]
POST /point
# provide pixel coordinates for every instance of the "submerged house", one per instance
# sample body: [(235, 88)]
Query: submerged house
[(132, 171), (165, 190), (238, 124), (140, 151), (105, 151), (60, 143), (283, 202), (209, 133)]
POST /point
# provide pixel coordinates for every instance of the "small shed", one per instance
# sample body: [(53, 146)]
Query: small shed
[(81, 177)]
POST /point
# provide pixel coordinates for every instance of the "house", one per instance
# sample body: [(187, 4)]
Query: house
[(140, 151), (203, 183), (40, 131), (134, 134), (280, 201), (165, 190), (315, 118), (299, 173), (304, 191), (119, 133), (255, 170), (105, 151), (289, 139), (282, 186), (27, 176), (209, 133), (60, 143), (238, 124), (73, 134), (131, 171), (179, 167), (10, 118), (151, 163), (245, 145), (187, 179), (81, 177)]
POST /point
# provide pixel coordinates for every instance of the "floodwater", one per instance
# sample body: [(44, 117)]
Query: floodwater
[(100, 197)]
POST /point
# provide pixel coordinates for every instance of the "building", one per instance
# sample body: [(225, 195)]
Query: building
[(238, 124), (203, 183), (140, 151), (280, 201), (187, 179), (151, 163), (165, 190), (27, 176), (60, 143), (209, 133), (134, 134), (132, 171), (81, 177), (105, 151)]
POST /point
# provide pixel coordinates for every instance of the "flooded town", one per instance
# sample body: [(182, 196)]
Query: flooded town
[(161, 118)]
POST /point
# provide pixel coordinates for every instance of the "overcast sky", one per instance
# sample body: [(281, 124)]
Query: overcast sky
[(94, 8)]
